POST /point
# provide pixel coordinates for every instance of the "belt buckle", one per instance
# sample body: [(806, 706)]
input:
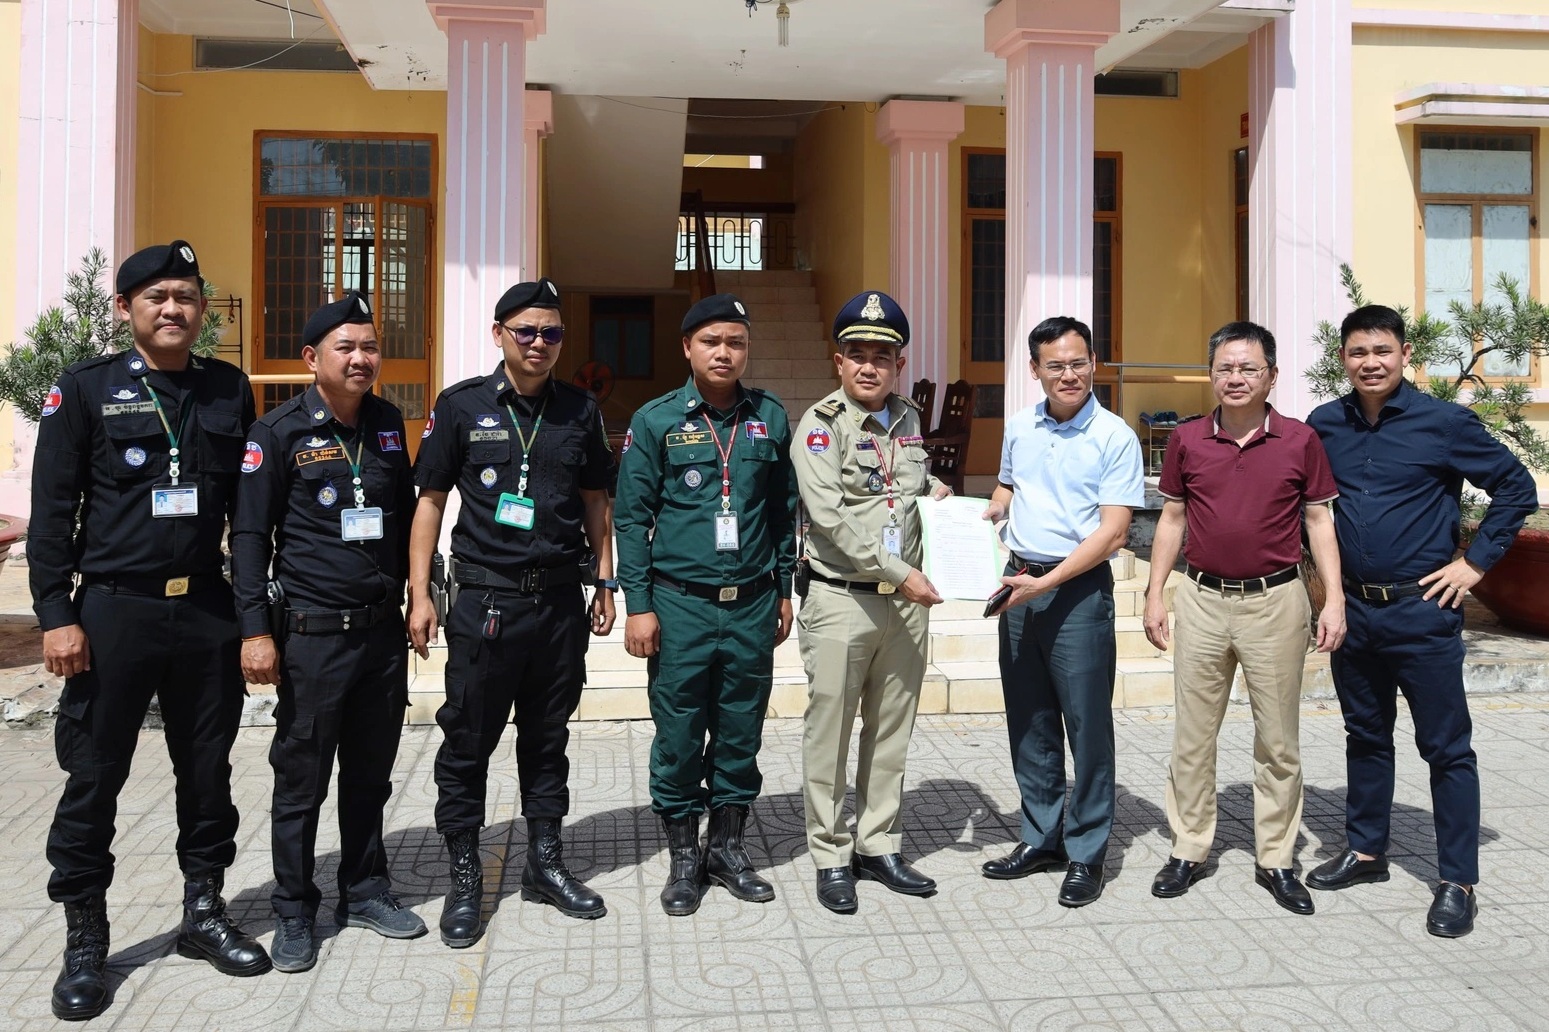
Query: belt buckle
[(728, 594), (1385, 593), (177, 586), (886, 587)]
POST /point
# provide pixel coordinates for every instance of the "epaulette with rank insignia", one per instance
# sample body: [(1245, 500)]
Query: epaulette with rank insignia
[(908, 401), (462, 385), (655, 403), (92, 363), (829, 409)]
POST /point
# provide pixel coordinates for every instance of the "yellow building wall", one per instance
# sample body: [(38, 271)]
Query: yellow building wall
[(199, 144), (1387, 241), (838, 233)]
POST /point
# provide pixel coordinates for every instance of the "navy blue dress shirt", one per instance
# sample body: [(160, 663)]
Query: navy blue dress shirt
[(1401, 479)]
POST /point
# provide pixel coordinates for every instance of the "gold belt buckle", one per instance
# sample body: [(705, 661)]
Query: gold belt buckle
[(729, 594), (177, 586), (886, 587)]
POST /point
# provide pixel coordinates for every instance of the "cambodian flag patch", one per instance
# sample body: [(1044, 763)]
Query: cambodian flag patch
[(55, 399), (818, 441), (757, 430), (430, 424), (388, 440), (629, 439), (252, 457)]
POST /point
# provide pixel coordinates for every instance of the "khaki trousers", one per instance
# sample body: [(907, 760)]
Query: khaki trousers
[(862, 653), (1268, 635)]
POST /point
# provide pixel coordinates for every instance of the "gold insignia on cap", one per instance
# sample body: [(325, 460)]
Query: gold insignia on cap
[(873, 309)]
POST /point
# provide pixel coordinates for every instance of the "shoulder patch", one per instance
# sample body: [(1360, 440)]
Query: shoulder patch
[(53, 401), (252, 457), (430, 425), (818, 440)]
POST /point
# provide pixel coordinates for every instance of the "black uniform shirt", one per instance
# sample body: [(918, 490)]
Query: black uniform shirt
[(296, 480), (102, 449), (471, 443)]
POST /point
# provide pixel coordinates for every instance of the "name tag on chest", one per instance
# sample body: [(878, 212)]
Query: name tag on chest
[(172, 500)]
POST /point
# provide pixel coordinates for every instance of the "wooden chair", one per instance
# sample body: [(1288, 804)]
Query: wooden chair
[(948, 443), (924, 395)]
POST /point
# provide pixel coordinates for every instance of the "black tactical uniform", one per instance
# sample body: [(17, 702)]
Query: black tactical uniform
[(517, 633), (157, 614), (343, 670)]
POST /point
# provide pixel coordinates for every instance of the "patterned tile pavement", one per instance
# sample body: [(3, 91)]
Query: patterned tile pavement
[(978, 955)]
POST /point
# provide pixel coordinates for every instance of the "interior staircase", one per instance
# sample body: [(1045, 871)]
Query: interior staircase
[(790, 356)]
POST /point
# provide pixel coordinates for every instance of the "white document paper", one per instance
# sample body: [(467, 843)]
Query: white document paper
[(963, 558)]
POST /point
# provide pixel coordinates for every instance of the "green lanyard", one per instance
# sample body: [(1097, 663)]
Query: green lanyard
[(527, 443), (360, 453), (175, 453)]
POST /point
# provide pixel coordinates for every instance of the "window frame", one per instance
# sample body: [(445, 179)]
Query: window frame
[(649, 319), (1478, 202)]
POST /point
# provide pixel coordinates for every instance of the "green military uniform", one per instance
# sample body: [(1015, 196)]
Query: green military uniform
[(717, 607), (862, 643)]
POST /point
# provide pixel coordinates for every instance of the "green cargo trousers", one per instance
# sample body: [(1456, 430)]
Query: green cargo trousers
[(709, 687)]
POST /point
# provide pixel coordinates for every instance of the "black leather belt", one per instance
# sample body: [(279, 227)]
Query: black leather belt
[(1038, 569), (1384, 592), (529, 580), (1248, 586), (157, 587), (862, 587), (718, 592), (333, 621)]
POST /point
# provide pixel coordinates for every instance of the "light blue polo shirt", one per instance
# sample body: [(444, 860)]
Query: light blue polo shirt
[(1061, 473)]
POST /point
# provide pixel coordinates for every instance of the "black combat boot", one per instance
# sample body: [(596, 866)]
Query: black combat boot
[(208, 934), (685, 876), (462, 921), (727, 862), (545, 879), (81, 991)]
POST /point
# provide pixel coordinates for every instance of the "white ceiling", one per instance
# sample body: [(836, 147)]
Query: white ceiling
[(839, 50)]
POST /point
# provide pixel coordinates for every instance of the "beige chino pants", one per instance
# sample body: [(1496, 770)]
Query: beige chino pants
[(866, 654), (1267, 634)]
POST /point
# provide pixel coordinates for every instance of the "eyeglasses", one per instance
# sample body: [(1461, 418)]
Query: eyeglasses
[(1080, 367), (553, 335), (1247, 372)]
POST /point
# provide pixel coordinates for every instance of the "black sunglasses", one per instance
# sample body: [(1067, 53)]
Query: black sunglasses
[(527, 334)]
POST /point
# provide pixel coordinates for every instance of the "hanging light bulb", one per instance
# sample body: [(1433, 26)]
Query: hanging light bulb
[(783, 20)]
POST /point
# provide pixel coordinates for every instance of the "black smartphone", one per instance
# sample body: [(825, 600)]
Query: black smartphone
[(999, 598)]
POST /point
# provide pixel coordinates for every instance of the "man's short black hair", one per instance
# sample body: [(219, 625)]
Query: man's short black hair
[(1055, 327), (1372, 319), (1248, 333)]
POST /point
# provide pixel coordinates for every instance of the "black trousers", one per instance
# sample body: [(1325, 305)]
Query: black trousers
[(185, 652), (536, 664), (341, 694)]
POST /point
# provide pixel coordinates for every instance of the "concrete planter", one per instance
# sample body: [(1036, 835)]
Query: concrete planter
[(1517, 587)]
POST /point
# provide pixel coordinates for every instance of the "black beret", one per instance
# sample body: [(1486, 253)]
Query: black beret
[(163, 261), (715, 308), (542, 294), (351, 308), (872, 315)]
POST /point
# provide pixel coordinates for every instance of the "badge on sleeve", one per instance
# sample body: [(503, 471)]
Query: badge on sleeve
[(818, 441), (388, 440), (629, 439), (54, 400), (757, 430), (252, 457), (430, 424)]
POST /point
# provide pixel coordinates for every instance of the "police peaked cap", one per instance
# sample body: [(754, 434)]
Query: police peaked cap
[(871, 316), (542, 294), (716, 308), (161, 261), (351, 308)]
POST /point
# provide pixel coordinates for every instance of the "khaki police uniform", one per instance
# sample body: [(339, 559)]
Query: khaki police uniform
[(862, 643)]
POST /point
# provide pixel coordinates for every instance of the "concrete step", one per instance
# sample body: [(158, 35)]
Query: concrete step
[(730, 279)]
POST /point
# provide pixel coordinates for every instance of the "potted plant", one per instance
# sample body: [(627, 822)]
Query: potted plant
[(83, 326), (1451, 360)]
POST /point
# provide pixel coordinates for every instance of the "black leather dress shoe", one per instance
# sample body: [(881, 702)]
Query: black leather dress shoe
[(1176, 876), (1023, 861), (1282, 884), (895, 872), (836, 889), (1346, 870), (1083, 884), (1452, 911)]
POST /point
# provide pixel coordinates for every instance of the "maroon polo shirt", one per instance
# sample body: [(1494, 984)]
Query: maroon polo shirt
[(1244, 505)]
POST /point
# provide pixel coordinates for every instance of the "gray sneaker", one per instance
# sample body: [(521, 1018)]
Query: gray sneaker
[(383, 914), (293, 948)]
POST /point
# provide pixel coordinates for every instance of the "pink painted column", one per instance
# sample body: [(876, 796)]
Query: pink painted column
[(1049, 47), (486, 208), (916, 133), (75, 184), (1299, 196), (538, 124)]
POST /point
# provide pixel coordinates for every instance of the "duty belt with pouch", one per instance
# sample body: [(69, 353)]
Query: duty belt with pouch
[(333, 621), (527, 581), (443, 589), (274, 609), (801, 580)]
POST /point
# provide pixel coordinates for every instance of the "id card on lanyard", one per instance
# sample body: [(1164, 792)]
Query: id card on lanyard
[(892, 534), (728, 538), (517, 510), (362, 523), (173, 499)]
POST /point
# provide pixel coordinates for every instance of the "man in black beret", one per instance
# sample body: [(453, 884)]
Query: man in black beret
[(134, 477), (328, 496), (706, 529), (531, 463)]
